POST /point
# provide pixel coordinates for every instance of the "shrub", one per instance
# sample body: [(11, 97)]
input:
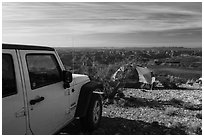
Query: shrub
[(171, 111), (192, 106), (175, 101), (178, 128)]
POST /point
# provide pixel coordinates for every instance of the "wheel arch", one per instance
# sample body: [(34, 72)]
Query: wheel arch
[(85, 95)]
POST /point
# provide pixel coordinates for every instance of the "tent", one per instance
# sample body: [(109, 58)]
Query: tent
[(135, 74)]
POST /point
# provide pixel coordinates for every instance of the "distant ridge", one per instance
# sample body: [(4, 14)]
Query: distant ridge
[(139, 48)]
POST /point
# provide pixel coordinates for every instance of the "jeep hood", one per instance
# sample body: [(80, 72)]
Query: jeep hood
[(79, 78)]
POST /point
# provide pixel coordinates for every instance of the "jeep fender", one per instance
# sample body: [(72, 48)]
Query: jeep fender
[(85, 95)]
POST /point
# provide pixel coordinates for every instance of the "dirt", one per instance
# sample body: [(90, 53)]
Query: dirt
[(146, 112)]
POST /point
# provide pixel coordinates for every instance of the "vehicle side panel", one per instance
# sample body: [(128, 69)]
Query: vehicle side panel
[(13, 107), (48, 115)]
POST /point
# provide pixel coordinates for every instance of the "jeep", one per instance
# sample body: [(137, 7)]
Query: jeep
[(40, 97)]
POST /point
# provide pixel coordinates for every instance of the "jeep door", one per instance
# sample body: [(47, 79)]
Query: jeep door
[(49, 105), (13, 110)]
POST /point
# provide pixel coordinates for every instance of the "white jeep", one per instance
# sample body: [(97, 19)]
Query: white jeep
[(40, 97)]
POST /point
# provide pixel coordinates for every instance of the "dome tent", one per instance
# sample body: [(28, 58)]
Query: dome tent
[(133, 74)]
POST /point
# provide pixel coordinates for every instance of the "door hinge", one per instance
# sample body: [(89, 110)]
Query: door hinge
[(67, 92), (67, 111), (73, 105), (20, 113)]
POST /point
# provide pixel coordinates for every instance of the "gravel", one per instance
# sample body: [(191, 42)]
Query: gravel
[(156, 112)]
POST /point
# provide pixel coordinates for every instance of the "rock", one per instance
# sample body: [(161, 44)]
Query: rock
[(199, 116), (199, 131)]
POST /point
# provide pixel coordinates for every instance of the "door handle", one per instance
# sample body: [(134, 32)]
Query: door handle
[(34, 101)]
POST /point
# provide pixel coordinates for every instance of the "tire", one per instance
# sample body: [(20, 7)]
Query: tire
[(93, 117)]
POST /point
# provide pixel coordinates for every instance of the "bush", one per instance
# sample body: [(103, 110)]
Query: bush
[(171, 111), (175, 101), (192, 106), (178, 128)]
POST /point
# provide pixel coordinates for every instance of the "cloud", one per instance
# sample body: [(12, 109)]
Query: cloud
[(67, 19)]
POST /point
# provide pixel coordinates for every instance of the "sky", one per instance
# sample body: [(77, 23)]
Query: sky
[(100, 24)]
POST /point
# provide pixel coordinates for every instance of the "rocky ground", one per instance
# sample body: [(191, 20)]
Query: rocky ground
[(146, 112)]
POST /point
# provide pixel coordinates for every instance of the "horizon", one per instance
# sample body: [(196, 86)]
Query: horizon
[(95, 24), (134, 47), (106, 47)]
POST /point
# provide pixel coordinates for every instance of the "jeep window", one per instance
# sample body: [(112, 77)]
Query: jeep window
[(43, 70), (8, 76)]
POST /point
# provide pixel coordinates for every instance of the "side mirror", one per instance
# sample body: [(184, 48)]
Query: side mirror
[(67, 78)]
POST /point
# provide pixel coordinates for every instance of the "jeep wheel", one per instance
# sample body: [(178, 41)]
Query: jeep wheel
[(93, 117)]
